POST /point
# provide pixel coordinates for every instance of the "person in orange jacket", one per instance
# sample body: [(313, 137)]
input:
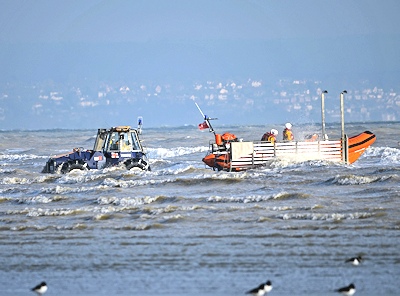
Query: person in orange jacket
[(287, 132), (270, 136)]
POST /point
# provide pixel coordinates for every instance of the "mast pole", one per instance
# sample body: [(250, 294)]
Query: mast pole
[(345, 147), (342, 109), (206, 118), (324, 135)]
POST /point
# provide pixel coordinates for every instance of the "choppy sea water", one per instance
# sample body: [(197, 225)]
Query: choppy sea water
[(183, 229)]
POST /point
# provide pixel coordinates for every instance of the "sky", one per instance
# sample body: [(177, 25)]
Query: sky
[(228, 36), (189, 39)]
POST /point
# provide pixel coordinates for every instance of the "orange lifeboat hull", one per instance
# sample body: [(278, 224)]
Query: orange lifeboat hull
[(358, 144), (220, 162)]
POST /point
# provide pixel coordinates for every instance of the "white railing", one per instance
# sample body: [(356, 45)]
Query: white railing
[(249, 154)]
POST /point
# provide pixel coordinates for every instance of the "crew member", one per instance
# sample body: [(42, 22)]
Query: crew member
[(270, 136), (287, 132)]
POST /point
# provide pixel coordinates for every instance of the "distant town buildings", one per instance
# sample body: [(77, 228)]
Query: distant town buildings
[(288, 97)]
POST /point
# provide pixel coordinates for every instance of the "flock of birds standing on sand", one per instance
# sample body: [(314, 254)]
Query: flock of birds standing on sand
[(261, 290)]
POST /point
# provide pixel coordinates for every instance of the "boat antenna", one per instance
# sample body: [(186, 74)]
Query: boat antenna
[(140, 124), (207, 119)]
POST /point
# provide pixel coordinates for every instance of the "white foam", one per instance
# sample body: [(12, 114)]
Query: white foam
[(37, 212), (242, 199), (176, 169), (127, 201), (391, 155), (14, 157), (24, 181), (162, 153), (355, 180), (111, 182), (65, 190), (15, 180), (325, 217), (386, 154), (36, 199)]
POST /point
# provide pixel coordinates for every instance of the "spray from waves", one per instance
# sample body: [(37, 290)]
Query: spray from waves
[(391, 155), (162, 153), (385, 154), (300, 164)]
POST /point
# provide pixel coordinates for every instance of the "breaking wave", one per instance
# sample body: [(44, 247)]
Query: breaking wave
[(325, 217), (162, 153), (357, 180)]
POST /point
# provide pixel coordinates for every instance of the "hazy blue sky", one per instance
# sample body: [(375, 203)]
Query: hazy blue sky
[(228, 37), (144, 20)]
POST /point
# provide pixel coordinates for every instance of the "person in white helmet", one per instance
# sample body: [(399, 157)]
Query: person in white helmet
[(287, 132), (270, 136)]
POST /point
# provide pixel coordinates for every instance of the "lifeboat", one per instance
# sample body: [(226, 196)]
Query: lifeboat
[(238, 156), (229, 154)]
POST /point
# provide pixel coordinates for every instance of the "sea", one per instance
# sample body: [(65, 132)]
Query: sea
[(184, 229)]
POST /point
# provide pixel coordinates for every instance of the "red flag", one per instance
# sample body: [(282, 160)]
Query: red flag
[(203, 125)]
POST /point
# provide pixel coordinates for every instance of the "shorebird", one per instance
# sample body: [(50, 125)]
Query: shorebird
[(268, 287), (348, 291), (40, 289), (262, 289), (355, 260)]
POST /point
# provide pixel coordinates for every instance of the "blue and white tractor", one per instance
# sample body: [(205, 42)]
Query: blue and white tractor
[(113, 147)]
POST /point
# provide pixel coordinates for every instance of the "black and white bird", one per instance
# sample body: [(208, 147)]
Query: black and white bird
[(40, 289), (262, 289), (348, 291), (355, 260), (268, 287)]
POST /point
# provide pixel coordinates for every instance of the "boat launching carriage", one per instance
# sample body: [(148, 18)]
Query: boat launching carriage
[(119, 145), (230, 154)]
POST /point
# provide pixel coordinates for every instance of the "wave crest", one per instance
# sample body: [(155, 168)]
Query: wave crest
[(325, 217)]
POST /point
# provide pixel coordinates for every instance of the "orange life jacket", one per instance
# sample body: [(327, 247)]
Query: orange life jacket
[(287, 135), (268, 137)]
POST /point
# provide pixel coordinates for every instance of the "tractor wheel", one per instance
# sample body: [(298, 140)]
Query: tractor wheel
[(66, 167), (141, 164), (77, 166)]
